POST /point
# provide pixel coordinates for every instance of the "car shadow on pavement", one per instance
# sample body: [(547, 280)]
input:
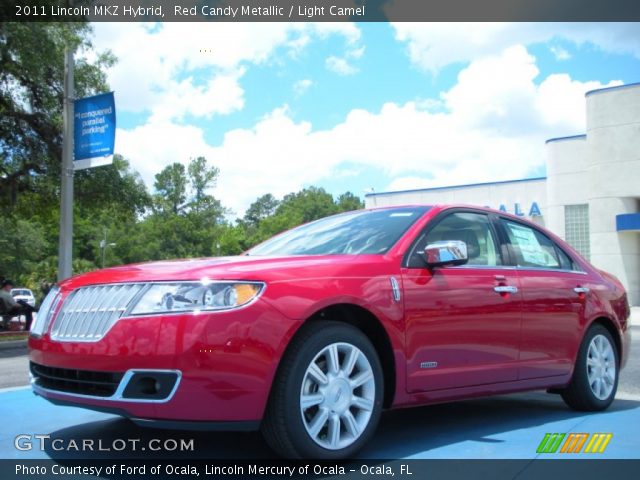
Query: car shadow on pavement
[(401, 433)]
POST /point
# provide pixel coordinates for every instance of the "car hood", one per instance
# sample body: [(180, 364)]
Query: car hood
[(230, 268)]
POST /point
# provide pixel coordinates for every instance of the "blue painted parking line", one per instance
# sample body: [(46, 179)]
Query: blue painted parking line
[(504, 427)]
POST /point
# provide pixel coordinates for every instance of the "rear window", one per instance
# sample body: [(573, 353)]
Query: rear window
[(533, 249)]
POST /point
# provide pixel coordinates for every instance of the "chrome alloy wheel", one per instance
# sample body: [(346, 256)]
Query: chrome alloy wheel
[(601, 367), (337, 396)]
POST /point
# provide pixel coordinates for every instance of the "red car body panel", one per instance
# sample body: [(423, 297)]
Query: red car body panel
[(483, 342), (456, 320)]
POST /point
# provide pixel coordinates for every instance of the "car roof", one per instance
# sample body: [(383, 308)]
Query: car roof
[(445, 206)]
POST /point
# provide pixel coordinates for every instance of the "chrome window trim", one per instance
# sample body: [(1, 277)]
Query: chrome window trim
[(545, 269), (513, 267), (117, 395)]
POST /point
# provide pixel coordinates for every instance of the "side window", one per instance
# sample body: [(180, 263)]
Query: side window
[(565, 262), (534, 249), (472, 228)]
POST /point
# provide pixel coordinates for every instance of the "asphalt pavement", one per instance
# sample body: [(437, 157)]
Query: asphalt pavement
[(14, 365)]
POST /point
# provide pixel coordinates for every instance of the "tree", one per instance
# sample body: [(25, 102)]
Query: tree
[(267, 217), (202, 177), (31, 97), (263, 207), (21, 244), (114, 187), (171, 185), (306, 205), (348, 202)]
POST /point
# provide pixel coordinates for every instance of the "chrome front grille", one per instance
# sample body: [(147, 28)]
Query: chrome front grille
[(88, 313)]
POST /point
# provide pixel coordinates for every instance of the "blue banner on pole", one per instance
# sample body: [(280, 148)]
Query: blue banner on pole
[(94, 131)]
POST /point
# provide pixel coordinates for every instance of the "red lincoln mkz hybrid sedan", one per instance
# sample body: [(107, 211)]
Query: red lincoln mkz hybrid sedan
[(309, 335)]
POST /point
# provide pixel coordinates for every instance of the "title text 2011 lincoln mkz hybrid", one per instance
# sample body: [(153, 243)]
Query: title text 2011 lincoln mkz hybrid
[(309, 335)]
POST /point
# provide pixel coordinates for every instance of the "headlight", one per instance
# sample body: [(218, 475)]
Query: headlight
[(195, 296)]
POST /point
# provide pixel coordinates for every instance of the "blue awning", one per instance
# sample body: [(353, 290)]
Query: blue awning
[(626, 222)]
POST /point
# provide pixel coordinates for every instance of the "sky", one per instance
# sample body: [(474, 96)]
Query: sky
[(356, 107)]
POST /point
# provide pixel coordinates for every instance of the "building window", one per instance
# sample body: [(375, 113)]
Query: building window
[(576, 228)]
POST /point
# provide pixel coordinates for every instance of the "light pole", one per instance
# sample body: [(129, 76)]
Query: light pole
[(104, 245), (65, 251)]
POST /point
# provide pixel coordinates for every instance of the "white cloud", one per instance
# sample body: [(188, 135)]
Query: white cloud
[(492, 126), (301, 86), (408, 183), (356, 52), (560, 53), (560, 102), (496, 91), (432, 46), (174, 68), (341, 66), (221, 94)]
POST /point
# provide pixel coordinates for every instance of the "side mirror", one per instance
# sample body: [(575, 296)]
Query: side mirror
[(448, 252)]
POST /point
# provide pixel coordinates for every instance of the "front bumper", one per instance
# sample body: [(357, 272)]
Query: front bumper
[(221, 364)]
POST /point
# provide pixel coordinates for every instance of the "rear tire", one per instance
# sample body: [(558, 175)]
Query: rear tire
[(327, 397), (595, 375)]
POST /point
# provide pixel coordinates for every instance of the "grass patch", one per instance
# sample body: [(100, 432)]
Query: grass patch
[(11, 337)]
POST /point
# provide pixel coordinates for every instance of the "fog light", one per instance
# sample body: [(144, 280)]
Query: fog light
[(150, 385)]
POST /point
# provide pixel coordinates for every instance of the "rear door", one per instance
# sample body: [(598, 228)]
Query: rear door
[(462, 322), (554, 291)]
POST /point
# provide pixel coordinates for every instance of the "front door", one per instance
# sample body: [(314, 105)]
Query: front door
[(462, 322)]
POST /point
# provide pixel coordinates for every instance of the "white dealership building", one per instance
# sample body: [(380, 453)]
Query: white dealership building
[(590, 196)]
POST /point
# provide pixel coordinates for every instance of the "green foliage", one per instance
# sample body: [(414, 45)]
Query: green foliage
[(20, 245), (263, 207), (267, 216), (31, 98), (171, 185), (202, 177), (348, 202), (307, 205), (114, 186)]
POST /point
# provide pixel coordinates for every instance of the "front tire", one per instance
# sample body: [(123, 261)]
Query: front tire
[(326, 399), (595, 375)]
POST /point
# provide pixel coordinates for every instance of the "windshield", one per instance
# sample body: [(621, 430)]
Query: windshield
[(359, 232)]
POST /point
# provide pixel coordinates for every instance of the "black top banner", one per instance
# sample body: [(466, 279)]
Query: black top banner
[(320, 10)]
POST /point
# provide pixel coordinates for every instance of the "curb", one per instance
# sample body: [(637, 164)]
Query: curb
[(11, 344)]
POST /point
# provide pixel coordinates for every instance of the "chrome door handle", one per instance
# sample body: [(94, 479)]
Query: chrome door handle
[(505, 289), (581, 290)]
